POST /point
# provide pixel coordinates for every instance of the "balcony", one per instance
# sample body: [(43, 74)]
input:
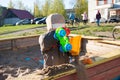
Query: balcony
[(104, 6)]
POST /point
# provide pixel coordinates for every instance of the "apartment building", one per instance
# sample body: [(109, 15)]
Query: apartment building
[(107, 8)]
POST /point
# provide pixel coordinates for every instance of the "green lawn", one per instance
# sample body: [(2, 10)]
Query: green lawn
[(90, 29), (87, 30), (9, 29)]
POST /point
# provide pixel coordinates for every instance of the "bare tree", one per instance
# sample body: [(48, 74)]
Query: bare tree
[(80, 7), (10, 4), (20, 5)]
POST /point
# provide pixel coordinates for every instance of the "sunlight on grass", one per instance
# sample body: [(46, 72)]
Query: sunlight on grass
[(8, 29), (90, 29), (81, 29), (36, 32)]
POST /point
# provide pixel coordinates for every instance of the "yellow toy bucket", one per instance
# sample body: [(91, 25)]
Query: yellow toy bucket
[(75, 41)]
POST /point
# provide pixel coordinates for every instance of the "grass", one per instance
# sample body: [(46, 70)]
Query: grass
[(87, 30), (8, 29), (90, 29)]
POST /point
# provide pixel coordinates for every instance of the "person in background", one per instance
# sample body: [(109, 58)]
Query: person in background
[(98, 17), (72, 18), (85, 18)]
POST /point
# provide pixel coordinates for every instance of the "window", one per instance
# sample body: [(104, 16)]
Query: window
[(117, 1), (100, 2), (109, 1)]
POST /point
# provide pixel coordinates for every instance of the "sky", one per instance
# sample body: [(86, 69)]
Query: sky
[(29, 3)]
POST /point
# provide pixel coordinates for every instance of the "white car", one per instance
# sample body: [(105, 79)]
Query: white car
[(23, 22), (103, 20)]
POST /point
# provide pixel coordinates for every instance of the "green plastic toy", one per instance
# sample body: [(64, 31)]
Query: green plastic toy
[(60, 35)]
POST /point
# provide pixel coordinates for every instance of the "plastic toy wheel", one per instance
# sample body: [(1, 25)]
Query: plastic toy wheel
[(61, 49), (55, 36), (68, 47), (62, 33)]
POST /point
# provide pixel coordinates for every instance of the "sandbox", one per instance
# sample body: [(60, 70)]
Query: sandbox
[(25, 63)]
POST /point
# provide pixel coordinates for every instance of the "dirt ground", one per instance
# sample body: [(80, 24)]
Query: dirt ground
[(27, 63)]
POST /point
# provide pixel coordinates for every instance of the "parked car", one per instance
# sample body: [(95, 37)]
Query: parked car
[(36, 19), (23, 22), (67, 21), (41, 21), (114, 19), (103, 20), (78, 20)]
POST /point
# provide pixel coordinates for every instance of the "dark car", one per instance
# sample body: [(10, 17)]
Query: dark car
[(23, 22), (114, 19), (67, 21), (36, 19), (41, 21), (77, 20)]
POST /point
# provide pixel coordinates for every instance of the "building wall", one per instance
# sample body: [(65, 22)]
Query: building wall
[(117, 5), (91, 10), (118, 12), (2, 13), (11, 20), (103, 7), (1, 22)]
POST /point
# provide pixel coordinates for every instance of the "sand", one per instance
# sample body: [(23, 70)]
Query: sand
[(26, 63), (20, 63)]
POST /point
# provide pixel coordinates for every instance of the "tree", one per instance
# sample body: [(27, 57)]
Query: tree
[(57, 6), (46, 8), (36, 9), (10, 4), (20, 5), (80, 7)]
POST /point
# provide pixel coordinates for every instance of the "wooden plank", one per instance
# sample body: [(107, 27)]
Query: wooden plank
[(106, 58), (110, 42), (92, 38), (88, 37)]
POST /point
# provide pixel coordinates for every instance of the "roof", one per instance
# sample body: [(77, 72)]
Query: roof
[(22, 14)]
